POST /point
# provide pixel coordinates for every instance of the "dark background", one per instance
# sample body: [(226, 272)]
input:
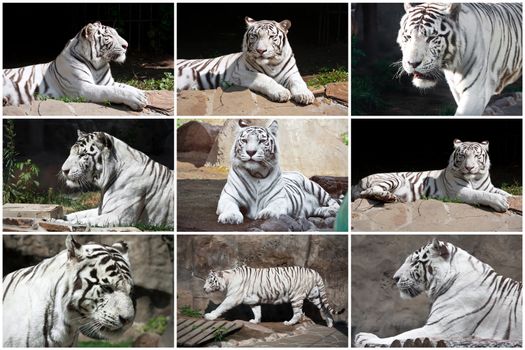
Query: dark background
[(381, 145), (37, 33), (318, 35), (376, 90), (47, 141)]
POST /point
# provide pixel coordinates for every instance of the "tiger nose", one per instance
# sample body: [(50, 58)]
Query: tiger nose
[(124, 45), (65, 172), (469, 168), (396, 279), (261, 51), (414, 64), (251, 153), (124, 320)]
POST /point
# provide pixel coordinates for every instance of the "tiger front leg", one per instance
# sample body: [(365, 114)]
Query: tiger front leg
[(362, 339), (297, 308), (80, 217), (267, 86), (496, 201), (473, 101), (274, 209), (256, 309), (228, 210), (300, 92), (118, 93), (228, 304)]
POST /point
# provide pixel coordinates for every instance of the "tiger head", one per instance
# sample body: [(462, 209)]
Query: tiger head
[(214, 282), (470, 160), (427, 40), (255, 149), (265, 41), (88, 160), (423, 269), (102, 302), (102, 43)]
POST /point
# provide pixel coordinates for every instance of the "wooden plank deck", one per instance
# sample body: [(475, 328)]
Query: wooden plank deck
[(194, 331)]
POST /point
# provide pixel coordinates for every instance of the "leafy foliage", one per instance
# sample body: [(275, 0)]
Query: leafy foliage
[(186, 310), (327, 76), (165, 83), (157, 324)]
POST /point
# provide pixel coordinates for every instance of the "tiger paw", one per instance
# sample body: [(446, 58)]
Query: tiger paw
[(230, 218), (325, 212), (282, 95), (137, 99), (305, 97), (499, 203), (254, 321), (210, 316), (362, 339)]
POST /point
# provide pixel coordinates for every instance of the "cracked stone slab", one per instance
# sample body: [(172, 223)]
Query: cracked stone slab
[(160, 103), (434, 215), (241, 101)]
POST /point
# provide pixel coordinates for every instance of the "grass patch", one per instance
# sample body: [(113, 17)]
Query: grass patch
[(65, 99), (86, 200), (186, 310), (344, 138), (104, 344), (165, 83), (157, 324), (327, 76), (515, 188), (149, 227)]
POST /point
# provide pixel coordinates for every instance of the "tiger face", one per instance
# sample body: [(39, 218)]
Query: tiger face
[(104, 42), (422, 269), (470, 160), (427, 41), (264, 40), (102, 301), (255, 149), (85, 163), (214, 282)]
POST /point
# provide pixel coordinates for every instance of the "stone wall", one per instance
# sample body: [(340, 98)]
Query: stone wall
[(196, 255), (151, 259), (376, 304)]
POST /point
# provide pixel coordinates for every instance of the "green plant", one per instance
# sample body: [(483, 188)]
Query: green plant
[(107, 103), (157, 324), (165, 83), (186, 310), (149, 227), (20, 177), (219, 333), (67, 99), (327, 76), (344, 138), (515, 188)]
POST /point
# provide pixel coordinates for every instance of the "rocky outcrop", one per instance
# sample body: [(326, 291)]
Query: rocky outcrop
[(196, 136), (433, 215), (197, 255), (376, 305)]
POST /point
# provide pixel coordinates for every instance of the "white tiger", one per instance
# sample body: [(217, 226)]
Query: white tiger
[(466, 178), (266, 65), (275, 285), (469, 299), (80, 70), (256, 183), (477, 45), (135, 189), (85, 288)]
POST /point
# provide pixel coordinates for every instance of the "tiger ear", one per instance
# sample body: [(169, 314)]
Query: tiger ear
[(273, 127), (105, 140), (440, 249), (457, 143), (285, 25), (408, 6), (243, 123), (81, 134), (249, 21), (122, 247), (74, 251), (88, 30), (453, 10), (485, 145)]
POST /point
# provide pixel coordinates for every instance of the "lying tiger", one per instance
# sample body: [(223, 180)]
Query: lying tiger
[(257, 185), (468, 298), (466, 178), (80, 70)]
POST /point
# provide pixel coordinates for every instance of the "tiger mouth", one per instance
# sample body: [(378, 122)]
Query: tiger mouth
[(422, 76)]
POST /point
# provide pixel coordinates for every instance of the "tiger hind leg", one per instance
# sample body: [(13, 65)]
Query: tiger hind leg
[(379, 194), (325, 314), (256, 309), (297, 307)]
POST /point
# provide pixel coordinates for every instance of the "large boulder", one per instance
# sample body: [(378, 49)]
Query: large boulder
[(310, 146)]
